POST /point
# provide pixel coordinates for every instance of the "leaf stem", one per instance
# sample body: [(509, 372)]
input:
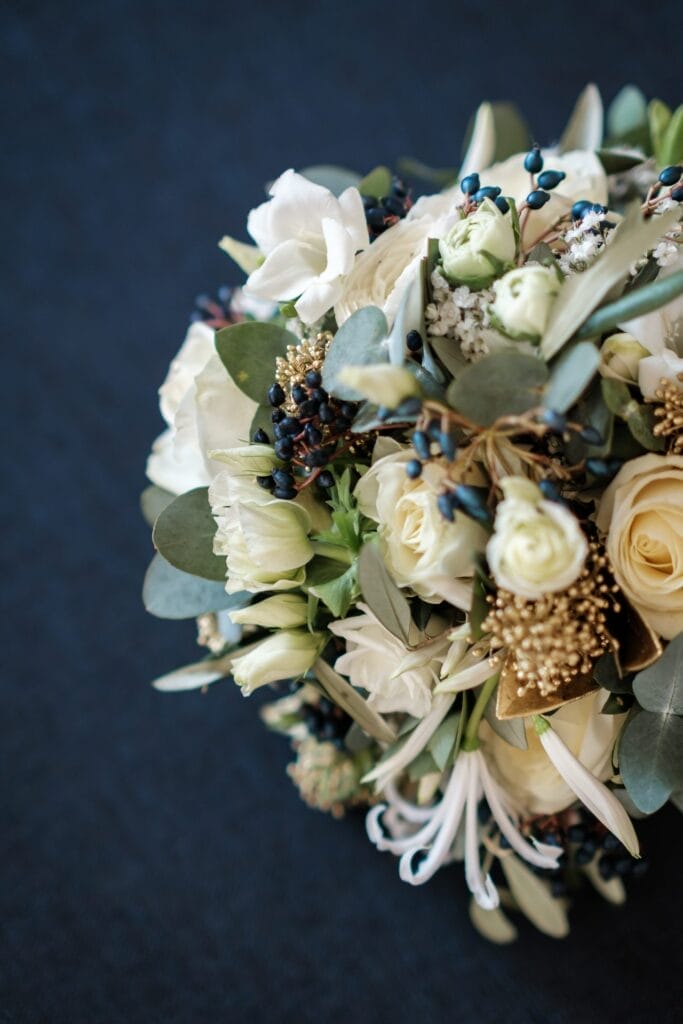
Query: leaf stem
[(471, 740)]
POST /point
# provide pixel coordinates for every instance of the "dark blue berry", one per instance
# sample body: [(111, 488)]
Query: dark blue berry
[(312, 435), (502, 204), (284, 448), (347, 410), (375, 217), (283, 478), (533, 161), (603, 468), (550, 179), (370, 201), (434, 429), (313, 378), (623, 866), (308, 409), (555, 421), (670, 175), (414, 341), (581, 208), (472, 499), (326, 479), (289, 425), (326, 413), (299, 394), (448, 446), (261, 437), (611, 843), (677, 194), (414, 468), (398, 187), (549, 490), (446, 505), (470, 184), (393, 205), (285, 492), (487, 192), (316, 459), (277, 415), (319, 394), (421, 444), (266, 482), (536, 199), (606, 868), (585, 853), (576, 833), (590, 435), (341, 424), (276, 395)]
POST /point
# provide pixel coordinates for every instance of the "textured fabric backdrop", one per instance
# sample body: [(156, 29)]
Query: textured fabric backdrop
[(157, 865)]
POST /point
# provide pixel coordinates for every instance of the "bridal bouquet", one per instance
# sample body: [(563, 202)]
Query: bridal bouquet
[(423, 477)]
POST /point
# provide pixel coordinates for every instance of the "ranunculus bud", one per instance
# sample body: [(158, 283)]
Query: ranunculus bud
[(284, 655), (619, 357), (523, 300), (281, 611), (479, 248), (382, 383), (537, 546)]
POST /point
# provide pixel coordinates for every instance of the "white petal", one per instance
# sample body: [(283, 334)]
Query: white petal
[(414, 744), (351, 204), (340, 251), (287, 271), (483, 889), (451, 809), (317, 299)]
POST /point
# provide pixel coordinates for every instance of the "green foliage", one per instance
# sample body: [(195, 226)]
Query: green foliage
[(248, 351), (671, 146), (169, 593), (445, 739), (505, 383), (336, 179), (627, 120), (638, 417), (359, 341), (616, 161), (183, 533), (634, 303), (339, 592), (377, 183), (154, 500), (511, 132), (659, 117), (440, 177), (570, 375), (381, 594), (511, 730)]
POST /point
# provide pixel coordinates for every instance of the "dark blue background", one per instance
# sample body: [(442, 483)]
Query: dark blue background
[(156, 863)]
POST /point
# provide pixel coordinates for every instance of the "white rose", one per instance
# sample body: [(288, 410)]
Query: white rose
[(287, 654), (478, 248), (204, 409), (381, 383), (537, 546), (530, 777), (281, 611), (396, 678), (309, 239), (523, 300), (642, 514), (263, 539), (421, 549), (620, 356), (651, 370)]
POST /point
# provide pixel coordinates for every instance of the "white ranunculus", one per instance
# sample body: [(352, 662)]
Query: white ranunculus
[(263, 539), (421, 549), (641, 512), (478, 248), (395, 678), (204, 409), (652, 369), (286, 654), (537, 546), (309, 238), (531, 778), (523, 300), (381, 383), (281, 611), (620, 357)]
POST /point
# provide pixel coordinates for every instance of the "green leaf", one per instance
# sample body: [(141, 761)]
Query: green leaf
[(438, 176), (343, 694), (671, 150), (248, 352), (617, 704), (627, 112), (659, 117), (534, 899), (381, 594), (169, 593), (660, 687), (377, 183), (442, 742), (336, 179), (184, 532), (584, 130), (154, 500), (505, 383), (581, 293), (511, 730), (338, 593), (493, 925), (606, 675), (511, 132), (640, 419), (616, 161), (570, 375), (616, 395), (633, 304), (262, 421), (423, 764), (361, 340), (651, 758)]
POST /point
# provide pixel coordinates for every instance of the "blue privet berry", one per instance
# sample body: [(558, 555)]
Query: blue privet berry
[(470, 184), (261, 437), (421, 444), (414, 341), (590, 435), (313, 378), (447, 504), (533, 161), (581, 208), (603, 467), (284, 448), (536, 199), (555, 421), (502, 204), (413, 468), (487, 192), (266, 482), (285, 492), (289, 425), (277, 415), (473, 501), (326, 413), (312, 435), (326, 479), (670, 175), (447, 445), (276, 395), (549, 490), (677, 194), (410, 407), (550, 179), (299, 394)]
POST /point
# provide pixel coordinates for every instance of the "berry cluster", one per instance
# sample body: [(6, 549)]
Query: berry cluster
[(308, 438), (326, 722), (475, 193), (213, 310), (380, 214), (670, 178)]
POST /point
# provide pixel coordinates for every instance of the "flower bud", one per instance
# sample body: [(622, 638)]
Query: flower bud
[(478, 248), (281, 611), (619, 357), (252, 459), (286, 654), (523, 300), (381, 383)]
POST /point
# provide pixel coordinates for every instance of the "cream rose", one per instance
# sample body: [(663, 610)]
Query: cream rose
[(537, 546), (421, 549), (641, 512), (523, 300), (478, 248), (531, 778), (620, 356)]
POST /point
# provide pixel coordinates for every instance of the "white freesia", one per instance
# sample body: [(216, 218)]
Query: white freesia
[(309, 238), (381, 383), (287, 654), (478, 248), (537, 546), (599, 800), (203, 408), (620, 357), (522, 301), (652, 369), (421, 549), (396, 679), (263, 539), (469, 780), (281, 611), (641, 512)]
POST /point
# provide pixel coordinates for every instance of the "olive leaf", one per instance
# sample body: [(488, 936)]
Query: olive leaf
[(381, 594), (493, 924), (377, 183), (634, 303), (343, 694), (336, 179), (533, 897), (570, 375)]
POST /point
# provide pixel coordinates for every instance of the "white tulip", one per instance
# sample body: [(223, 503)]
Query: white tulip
[(281, 611), (287, 654)]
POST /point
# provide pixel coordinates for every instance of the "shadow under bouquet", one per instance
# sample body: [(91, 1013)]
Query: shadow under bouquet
[(423, 476)]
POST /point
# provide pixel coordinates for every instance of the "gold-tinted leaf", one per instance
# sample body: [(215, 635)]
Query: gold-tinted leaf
[(510, 705)]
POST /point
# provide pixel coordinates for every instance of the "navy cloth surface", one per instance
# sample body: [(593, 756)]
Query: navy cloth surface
[(157, 864)]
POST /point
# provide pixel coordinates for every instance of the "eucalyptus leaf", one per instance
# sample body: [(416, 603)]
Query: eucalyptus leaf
[(533, 897), (443, 740), (634, 303), (493, 925), (184, 532), (381, 594), (585, 127), (423, 764), (169, 593), (336, 179), (154, 500), (592, 410), (360, 341), (377, 183), (248, 351), (570, 375), (343, 694), (660, 687), (505, 383), (627, 112), (368, 419), (481, 146), (262, 420), (651, 758), (408, 318), (512, 730), (606, 675)]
